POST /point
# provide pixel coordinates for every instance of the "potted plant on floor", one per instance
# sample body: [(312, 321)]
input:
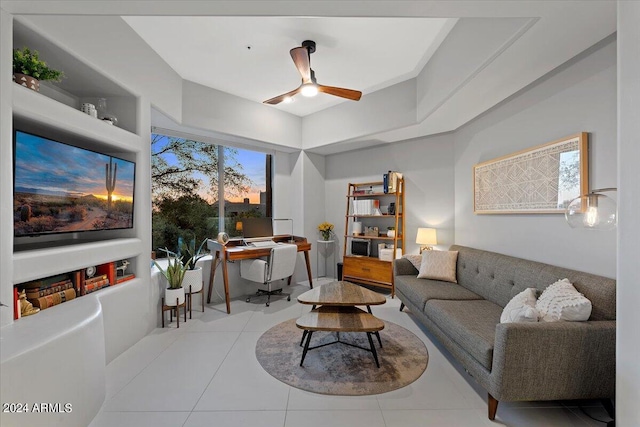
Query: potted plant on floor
[(193, 277), (29, 69), (174, 273)]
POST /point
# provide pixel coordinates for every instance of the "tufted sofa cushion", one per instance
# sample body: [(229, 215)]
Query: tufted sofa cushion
[(498, 278)]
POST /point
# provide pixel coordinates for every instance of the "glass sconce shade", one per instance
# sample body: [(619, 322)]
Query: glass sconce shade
[(592, 211)]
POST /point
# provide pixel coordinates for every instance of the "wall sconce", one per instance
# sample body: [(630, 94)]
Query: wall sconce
[(425, 238), (593, 211)]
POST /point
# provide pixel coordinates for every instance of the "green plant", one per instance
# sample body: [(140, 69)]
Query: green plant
[(175, 269), (28, 62), (187, 247)]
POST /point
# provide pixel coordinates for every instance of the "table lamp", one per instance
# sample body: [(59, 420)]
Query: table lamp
[(425, 238), (239, 227)]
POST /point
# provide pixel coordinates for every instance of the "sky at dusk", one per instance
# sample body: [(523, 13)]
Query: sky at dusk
[(253, 166), (50, 167)]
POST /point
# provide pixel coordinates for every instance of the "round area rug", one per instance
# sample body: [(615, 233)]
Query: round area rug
[(341, 369)]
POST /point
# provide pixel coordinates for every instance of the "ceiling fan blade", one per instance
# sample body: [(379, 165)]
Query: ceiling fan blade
[(353, 95), (278, 99), (300, 56)]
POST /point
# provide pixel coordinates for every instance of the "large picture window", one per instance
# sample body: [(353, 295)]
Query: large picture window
[(199, 189)]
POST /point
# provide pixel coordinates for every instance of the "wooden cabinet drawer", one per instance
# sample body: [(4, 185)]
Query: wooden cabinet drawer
[(367, 268)]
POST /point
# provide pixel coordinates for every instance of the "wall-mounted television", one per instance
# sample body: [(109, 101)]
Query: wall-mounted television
[(62, 188)]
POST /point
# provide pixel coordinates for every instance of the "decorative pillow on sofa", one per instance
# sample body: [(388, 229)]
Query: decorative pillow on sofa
[(414, 259), (562, 302), (521, 308), (439, 265)]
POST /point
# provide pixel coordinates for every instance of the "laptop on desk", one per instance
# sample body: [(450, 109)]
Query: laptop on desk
[(258, 232)]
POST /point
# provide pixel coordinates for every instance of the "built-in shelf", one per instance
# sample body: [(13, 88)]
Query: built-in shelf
[(35, 109), (82, 82), (39, 263)]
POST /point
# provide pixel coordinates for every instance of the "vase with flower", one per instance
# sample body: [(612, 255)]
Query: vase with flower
[(325, 230)]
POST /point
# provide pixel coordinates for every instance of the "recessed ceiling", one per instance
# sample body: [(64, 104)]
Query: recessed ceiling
[(249, 56)]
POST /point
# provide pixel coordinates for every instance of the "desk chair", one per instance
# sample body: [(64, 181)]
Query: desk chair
[(280, 265)]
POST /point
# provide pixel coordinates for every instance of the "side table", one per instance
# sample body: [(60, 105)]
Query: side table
[(324, 246)]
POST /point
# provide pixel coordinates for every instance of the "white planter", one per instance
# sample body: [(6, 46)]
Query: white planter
[(170, 296), (192, 278), (391, 233)]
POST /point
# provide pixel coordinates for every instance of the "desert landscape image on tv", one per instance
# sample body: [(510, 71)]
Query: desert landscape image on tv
[(60, 188)]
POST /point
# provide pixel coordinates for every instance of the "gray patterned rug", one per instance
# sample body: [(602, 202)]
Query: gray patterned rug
[(340, 369)]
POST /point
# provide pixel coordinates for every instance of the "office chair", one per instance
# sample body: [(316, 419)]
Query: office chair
[(280, 265)]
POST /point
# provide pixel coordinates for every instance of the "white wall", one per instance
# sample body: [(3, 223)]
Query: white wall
[(628, 338), (427, 165), (6, 174), (579, 96)]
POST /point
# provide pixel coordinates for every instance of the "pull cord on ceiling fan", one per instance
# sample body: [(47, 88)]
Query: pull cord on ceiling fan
[(309, 87)]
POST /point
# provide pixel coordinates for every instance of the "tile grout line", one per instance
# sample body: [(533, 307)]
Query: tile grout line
[(140, 372), (215, 373)]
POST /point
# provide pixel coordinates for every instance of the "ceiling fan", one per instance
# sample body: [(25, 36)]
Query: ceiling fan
[(302, 59)]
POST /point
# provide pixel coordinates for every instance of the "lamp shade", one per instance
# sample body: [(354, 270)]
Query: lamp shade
[(593, 211), (426, 236), (239, 226)]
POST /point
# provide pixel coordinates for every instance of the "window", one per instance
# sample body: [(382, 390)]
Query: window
[(186, 194)]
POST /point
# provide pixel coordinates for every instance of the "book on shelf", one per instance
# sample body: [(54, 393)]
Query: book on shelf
[(94, 279), (109, 269), (392, 181), (17, 310), (96, 286), (54, 299), (77, 277), (56, 287), (126, 277), (44, 283)]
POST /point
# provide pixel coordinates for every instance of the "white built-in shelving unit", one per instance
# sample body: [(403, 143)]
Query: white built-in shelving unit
[(79, 337)]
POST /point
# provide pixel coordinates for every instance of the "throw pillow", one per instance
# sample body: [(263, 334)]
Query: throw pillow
[(439, 265), (562, 302), (521, 308), (414, 259)]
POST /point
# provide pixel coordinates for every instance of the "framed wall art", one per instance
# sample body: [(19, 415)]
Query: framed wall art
[(542, 179)]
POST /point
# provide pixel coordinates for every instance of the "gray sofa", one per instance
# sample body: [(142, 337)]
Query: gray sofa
[(516, 361)]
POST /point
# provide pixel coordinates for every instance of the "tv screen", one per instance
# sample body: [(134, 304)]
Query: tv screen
[(59, 188)]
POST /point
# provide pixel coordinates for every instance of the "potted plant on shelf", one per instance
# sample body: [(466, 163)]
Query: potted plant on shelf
[(391, 231), (192, 282), (174, 273), (29, 69)]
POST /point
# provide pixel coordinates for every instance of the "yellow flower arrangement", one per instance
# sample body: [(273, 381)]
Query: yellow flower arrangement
[(325, 229)]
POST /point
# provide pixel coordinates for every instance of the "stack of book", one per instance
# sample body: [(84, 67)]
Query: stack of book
[(366, 207), (93, 284), (51, 291)]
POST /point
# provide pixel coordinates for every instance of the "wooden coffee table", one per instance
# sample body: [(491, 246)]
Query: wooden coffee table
[(338, 313)]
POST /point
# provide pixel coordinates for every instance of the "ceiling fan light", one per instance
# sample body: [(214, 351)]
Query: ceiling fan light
[(287, 99), (309, 89)]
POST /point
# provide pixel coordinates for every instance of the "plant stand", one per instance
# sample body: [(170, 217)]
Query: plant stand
[(171, 308), (189, 294)]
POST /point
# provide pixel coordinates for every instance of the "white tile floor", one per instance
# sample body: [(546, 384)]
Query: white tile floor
[(220, 383)]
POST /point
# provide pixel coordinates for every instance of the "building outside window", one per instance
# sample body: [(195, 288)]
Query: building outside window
[(187, 194)]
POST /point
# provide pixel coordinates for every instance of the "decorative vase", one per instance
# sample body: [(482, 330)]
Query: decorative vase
[(171, 294), (193, 279), (26, 81), (326, 235)]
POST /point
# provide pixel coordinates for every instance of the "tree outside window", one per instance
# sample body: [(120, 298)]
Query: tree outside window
[(185, 199)]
